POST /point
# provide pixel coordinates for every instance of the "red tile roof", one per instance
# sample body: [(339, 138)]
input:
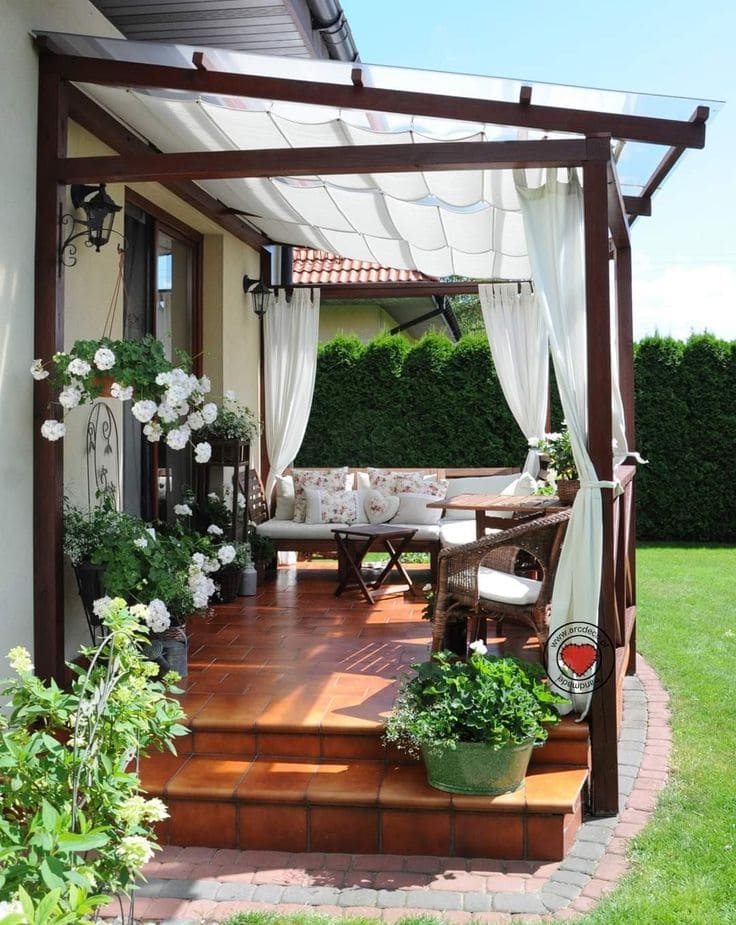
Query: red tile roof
[(313, 267)]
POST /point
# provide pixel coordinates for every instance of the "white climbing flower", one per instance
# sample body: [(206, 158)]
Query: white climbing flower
[(202, 452), (479, 647), (79, 367), (144, 410), (121, 392), (53, 430), (104, 358), (37, 370)]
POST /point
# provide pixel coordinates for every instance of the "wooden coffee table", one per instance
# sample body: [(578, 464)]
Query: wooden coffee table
[(354, 543), (521, 507)]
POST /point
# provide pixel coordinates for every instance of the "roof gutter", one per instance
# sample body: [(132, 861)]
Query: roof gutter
[(328, 18)]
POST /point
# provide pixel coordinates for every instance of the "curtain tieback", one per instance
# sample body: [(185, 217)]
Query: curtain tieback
[(599, 484)]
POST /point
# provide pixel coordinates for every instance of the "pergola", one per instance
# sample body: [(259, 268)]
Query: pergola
[(531, 135)]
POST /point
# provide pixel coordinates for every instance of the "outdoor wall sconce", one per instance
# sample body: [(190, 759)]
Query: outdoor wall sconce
[(99, 210), (259, 292)]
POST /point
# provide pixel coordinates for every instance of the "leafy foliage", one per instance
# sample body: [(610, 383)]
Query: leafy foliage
[(72, 821), (234, 421), (498, 701)]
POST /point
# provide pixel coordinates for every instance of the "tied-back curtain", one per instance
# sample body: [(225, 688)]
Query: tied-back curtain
[(290, 339), (554, 228), (518, 339)]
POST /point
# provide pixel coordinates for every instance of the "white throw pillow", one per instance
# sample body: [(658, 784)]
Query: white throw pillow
[(413, 509), (284, 498), (333, 507), (362, 481), (324, 479), (380, 508)]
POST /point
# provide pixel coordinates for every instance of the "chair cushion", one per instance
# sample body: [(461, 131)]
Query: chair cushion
[(457, 532), (507, 589)]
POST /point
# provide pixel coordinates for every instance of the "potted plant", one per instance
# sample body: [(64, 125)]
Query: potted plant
[(262, 550), (562, 471), (475, 722), (168, 400), (231, 432)]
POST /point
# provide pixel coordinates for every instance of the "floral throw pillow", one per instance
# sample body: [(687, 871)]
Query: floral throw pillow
[(380, 508), (333, 507), (394, 483), (323, 479)]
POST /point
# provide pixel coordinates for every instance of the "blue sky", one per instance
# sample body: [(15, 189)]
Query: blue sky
[(685, 254)]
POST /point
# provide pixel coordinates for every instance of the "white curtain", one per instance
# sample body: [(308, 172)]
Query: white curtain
[(290, 332), (553, 224), (519, 346)]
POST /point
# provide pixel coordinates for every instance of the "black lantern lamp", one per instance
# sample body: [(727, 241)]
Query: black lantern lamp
[(99, 211), (259, 292)]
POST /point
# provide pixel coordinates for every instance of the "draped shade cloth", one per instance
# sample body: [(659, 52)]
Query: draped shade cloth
[(442, 223)]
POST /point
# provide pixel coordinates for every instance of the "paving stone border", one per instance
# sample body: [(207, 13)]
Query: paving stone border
[(202, 886)]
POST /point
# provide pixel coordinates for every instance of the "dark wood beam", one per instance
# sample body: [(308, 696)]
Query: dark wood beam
[(338, 292), (48, 338), (549, 118), (102, 125), (617, 218), (637, 205), (337, 159), (604, 734)]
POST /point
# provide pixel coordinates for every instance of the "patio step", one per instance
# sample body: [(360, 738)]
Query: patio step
[(359, 806)]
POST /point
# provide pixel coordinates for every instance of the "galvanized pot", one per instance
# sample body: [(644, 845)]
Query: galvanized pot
[(475, 767)]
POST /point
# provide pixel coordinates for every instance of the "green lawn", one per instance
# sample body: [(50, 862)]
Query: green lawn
[(685, 860)]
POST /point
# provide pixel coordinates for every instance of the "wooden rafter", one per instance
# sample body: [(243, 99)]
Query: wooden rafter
[(670, 132), (336, 159)]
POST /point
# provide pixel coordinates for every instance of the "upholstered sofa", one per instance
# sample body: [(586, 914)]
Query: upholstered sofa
[(435, 529)]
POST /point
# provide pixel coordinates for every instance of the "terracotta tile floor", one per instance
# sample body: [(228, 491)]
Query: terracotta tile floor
[(296, 658)]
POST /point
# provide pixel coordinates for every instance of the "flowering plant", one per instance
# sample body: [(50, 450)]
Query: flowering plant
[(499, 701), (168, 400), (558, 449), (233, 422), (73, 822)]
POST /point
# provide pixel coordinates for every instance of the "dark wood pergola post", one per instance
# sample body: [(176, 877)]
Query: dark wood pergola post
[(603, 726), (48, 457)]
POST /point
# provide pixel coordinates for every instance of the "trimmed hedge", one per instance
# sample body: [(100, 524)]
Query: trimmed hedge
[(435, 403)]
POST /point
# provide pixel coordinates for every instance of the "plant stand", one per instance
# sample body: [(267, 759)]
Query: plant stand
[(228, 454)]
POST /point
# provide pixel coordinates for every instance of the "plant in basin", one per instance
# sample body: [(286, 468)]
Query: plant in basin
[(170, 401), (475, 722), (234, 421)]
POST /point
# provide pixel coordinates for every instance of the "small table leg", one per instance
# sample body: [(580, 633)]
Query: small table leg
[(394, 561), (350, 555)]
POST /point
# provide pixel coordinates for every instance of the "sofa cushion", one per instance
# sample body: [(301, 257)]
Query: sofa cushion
[(457, 532), (380, 508), (505, 588), (293, 530), (334, 507), (476, 485), (324, 479), (424, 532), (413, 509), (284, 498)]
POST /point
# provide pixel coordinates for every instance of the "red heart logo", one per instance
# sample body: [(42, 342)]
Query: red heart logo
[(578, 656)]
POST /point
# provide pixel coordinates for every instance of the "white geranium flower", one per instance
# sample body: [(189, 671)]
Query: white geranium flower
[(198, 559), (202, 452), (79, 367), (158, 617), (205, 385), (153, 431), (139, 611), (37, 370), (201, 588), (11, 908), (230, 395), (141, 542), (215, 530), (102, 606), (213, 496), (182, 408), (226, 554), (195, 420), (211, 565), (478, 646), (144, 410), (163, 379), (182, 510), (104, 358), (167, 412), (121, 392), (70, 397), (178, 438), (209, 412), (20, 660), (53, 430), (151, 532)]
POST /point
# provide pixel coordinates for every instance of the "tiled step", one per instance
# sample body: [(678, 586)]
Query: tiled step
[(244, 726), (356, 806)]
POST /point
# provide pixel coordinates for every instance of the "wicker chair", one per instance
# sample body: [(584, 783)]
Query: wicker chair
[(459, 571)]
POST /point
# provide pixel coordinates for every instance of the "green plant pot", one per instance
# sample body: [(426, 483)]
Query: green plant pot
[(474, 767)]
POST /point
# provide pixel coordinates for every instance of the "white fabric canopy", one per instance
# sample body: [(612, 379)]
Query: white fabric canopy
[(290, 333), (518, 339), (553, 221)]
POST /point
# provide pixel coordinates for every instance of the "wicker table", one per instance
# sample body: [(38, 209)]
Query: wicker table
[(353, 544), (522, 507)]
